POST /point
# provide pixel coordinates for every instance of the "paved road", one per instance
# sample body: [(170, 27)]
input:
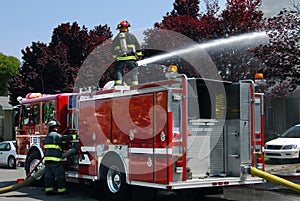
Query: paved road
[(85, 192), (283, 167)]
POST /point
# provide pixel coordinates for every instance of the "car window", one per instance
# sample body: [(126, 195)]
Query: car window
[(4, 147), (293, 132), (7, 148)]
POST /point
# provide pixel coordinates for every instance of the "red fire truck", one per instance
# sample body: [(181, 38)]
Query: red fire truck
[(180, 133)]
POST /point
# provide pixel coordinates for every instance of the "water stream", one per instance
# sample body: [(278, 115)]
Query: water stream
[(214, 43)]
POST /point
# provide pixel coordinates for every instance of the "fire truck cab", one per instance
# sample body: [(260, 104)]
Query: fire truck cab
[(181, 133)]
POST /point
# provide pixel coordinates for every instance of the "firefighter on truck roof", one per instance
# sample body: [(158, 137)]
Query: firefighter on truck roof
[(53, 158), (126, 50)]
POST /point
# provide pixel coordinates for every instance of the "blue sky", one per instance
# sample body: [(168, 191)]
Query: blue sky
[(27, 21)]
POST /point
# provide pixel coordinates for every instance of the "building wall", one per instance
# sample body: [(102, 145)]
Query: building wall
[(280, 114), (6, 113), (6, 128), (292, 111), (1, 123)]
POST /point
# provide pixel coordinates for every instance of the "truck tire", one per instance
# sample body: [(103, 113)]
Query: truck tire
[(114, 181), (33, 159)]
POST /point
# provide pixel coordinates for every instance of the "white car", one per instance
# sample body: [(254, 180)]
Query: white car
[(287, 146), (8, 154)]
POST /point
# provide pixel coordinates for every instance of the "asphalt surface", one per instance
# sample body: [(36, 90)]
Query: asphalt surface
[(283, 167), (262, 192)]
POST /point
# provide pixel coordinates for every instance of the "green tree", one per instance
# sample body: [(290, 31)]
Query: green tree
[(9, 66)]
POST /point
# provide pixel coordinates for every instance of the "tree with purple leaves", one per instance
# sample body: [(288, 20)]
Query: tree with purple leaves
[(233, 61), (62, 65), (281, 54), (53, 68)]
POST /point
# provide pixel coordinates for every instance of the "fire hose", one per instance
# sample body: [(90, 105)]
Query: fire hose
[(33, 177), (275, 179)]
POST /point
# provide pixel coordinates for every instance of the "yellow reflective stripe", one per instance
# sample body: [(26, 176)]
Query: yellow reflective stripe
[(74, 137), (126, 58), (139, 54), (61, 190), (51, 158), (134, 83), (128, 45), (49, 189), (52, 146), (118, 82)]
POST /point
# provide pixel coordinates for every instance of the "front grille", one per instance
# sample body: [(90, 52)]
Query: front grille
[(274, 147), (272, 154)]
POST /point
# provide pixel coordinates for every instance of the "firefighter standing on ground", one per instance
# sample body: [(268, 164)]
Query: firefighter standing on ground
[(126, 50), (53, 159)]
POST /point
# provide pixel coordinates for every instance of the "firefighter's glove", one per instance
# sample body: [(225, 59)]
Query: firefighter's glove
[(75, 137)]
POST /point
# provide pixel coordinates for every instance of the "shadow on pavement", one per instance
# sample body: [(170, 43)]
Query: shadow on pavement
[(282, 161), (78, 192)]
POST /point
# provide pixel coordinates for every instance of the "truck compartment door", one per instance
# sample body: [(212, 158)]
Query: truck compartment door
[(132, 124)]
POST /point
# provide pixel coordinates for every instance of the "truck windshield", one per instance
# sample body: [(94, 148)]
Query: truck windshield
[(25, 114)]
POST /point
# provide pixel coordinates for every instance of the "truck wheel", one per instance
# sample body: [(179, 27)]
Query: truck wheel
[(32, 160), (11, 162), (115, 187)]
